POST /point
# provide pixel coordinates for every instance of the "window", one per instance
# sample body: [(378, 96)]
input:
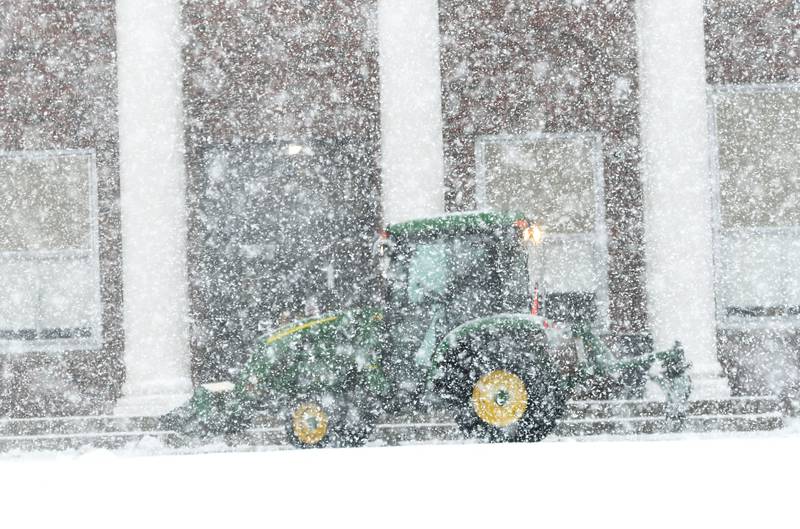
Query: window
[(756, 135), (557, 181), (280, 230), (427, 273), (50, 292)]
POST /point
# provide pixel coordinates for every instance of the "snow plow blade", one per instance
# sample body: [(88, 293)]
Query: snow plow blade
[(212, 410)]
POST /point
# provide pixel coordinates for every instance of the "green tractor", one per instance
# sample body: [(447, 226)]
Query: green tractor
[(455, 331)]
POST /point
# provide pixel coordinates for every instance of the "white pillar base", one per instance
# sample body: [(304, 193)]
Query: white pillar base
[(153, 204), (678, 210), (709, 383), (154, 398)]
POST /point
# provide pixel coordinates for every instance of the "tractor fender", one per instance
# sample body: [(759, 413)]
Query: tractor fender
[(314, 356), (497, 322)]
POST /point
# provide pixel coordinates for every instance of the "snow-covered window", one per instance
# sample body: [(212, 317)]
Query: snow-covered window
[(281, 230), (49, 292), (557, 181), (756, 130)]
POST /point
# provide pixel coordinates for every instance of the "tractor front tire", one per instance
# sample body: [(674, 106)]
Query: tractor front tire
[(338, 421), (308, 422), (503, 387)]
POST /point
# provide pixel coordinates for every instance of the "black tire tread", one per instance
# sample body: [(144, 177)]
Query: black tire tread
[(519, 351)]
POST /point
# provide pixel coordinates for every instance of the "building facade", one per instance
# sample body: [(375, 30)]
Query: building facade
[(175, 176)]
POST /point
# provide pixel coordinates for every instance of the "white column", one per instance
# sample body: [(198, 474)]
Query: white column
[(677, 192), (412, 159), (152, 200)]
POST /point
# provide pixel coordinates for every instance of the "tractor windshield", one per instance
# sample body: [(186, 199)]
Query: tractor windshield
[(437, 284)]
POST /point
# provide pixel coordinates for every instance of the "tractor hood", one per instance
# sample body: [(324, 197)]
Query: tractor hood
[(298, 329), (313, 355), (321, 327)]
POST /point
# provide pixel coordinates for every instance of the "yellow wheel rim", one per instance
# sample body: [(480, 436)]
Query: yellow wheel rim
[(309, 423), (500, 398)]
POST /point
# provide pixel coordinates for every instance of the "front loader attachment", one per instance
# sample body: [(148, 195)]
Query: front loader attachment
[(674, 381), (602, 369), (213, 409)]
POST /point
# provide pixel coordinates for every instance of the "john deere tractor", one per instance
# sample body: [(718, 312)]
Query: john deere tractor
[(455, 331)]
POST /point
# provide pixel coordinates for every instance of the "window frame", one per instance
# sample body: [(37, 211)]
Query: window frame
[(92, 254), (713, 95), (597, 238)]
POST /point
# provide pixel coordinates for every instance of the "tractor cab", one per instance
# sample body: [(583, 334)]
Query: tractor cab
[(440, 273)]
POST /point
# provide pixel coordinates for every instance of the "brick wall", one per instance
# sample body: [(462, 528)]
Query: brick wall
[(517, 67), (58, 91)]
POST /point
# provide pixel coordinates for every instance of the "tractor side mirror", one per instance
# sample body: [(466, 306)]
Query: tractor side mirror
[(382, 252)]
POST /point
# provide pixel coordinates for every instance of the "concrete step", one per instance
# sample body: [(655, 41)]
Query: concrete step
[(582, 418), (75, 425), (735, 406), (110, 440), (576, 410), (601, 409), (652, 425)]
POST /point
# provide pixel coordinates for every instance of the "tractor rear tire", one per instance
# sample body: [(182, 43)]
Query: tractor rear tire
[(503, 386)]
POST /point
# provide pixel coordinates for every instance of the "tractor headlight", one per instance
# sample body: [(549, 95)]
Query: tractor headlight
[(533, 234)]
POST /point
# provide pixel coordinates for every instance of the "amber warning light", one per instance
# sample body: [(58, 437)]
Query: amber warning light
[(533, 233)]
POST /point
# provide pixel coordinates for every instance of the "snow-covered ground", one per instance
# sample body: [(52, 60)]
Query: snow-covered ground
[(704, 480)]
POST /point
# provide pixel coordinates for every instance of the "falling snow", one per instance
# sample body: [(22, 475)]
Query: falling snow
[(234, 225)]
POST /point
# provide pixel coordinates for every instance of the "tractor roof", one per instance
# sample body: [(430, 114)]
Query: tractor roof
[(453, 223)]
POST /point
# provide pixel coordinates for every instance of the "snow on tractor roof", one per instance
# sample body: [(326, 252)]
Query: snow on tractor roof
[(451, 223)]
